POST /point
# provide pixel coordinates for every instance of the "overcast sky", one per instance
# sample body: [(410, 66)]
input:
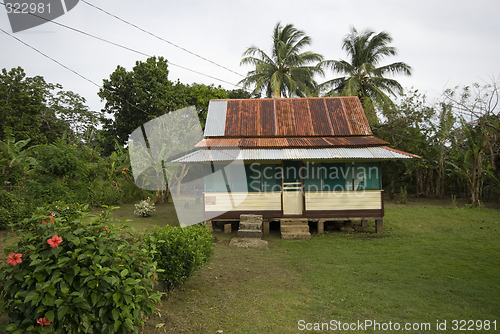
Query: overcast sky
[(447, 43)]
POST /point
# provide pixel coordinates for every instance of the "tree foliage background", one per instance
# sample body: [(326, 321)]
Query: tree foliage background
[(53, 147)]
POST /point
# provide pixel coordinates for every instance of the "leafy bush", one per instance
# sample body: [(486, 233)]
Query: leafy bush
[(180, 251), (77, 275), (63, 212), (144, 208), (12, 208)]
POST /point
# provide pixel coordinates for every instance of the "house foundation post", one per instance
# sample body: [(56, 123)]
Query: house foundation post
[(321, 226), (265, 227), (227, 228)]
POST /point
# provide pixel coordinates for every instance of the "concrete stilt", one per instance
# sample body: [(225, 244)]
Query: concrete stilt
[(321, 226), (265, 227)]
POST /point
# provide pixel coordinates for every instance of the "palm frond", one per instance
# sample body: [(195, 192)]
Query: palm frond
[(389, 85), (351, 87), (287, 70), (394, 68)]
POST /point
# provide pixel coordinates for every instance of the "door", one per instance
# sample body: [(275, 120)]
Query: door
[(292, 192)]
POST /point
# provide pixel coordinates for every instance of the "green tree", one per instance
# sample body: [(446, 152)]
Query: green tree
[(477, 141), (287, 71), (363, 75), (408, 127), (144, 93), (31, 108), (137, 96), (199, 95), (15, 160)]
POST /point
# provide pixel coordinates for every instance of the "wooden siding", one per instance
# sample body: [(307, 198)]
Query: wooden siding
[(343, 200), (243, 201), (314, 201)]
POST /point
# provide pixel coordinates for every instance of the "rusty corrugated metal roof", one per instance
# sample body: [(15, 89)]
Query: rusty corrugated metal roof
[(292, 142), (294, 117)]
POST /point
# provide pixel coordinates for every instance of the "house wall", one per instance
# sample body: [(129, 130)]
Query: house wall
[(346, 189), (261, 201), (343, 200), (368, 203)]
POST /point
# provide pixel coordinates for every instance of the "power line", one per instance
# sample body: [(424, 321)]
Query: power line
[(128, 48), (162, 39), (49, 57)]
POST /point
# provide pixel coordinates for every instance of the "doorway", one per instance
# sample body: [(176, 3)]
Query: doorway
[(292, 190)]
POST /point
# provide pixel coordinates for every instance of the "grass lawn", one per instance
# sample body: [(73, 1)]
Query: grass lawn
[(433, 263), (164, 215)]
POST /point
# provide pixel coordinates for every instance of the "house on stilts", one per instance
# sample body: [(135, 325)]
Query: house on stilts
[(307, 161)]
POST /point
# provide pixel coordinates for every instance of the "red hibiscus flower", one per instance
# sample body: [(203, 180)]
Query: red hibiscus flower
[(14, 259), (44, 222), (54, 241), (43, 321)]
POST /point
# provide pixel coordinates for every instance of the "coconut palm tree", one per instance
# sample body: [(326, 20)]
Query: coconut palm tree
[(363, 75), (288, 71)]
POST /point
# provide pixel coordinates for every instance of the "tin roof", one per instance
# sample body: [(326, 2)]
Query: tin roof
[(287, 117), (332, 153), (217, 115), (292, 142)]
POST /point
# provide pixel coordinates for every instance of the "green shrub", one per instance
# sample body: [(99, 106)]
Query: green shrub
[(73, 275), (144, 208), (180, 251), (62, 211), (12, 208)]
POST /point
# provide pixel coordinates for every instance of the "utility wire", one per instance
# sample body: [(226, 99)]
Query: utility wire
[(128, 48), (49, 57), (69, 69), (162, 39)]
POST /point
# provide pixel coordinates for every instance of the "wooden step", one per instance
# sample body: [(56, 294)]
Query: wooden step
[(294, 228), (250, 233), (250, 226), (285, 235)]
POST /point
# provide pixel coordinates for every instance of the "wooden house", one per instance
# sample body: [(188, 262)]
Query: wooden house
[(310, 159)]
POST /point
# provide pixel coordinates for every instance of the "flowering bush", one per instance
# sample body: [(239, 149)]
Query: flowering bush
[(180, 251), (59, 211), (144, 208), (77, 276)]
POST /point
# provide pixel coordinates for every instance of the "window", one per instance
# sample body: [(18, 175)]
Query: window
[(342, 176), (335, 178), (366, 176), (314, 177), (263, 177), (224, 178)]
